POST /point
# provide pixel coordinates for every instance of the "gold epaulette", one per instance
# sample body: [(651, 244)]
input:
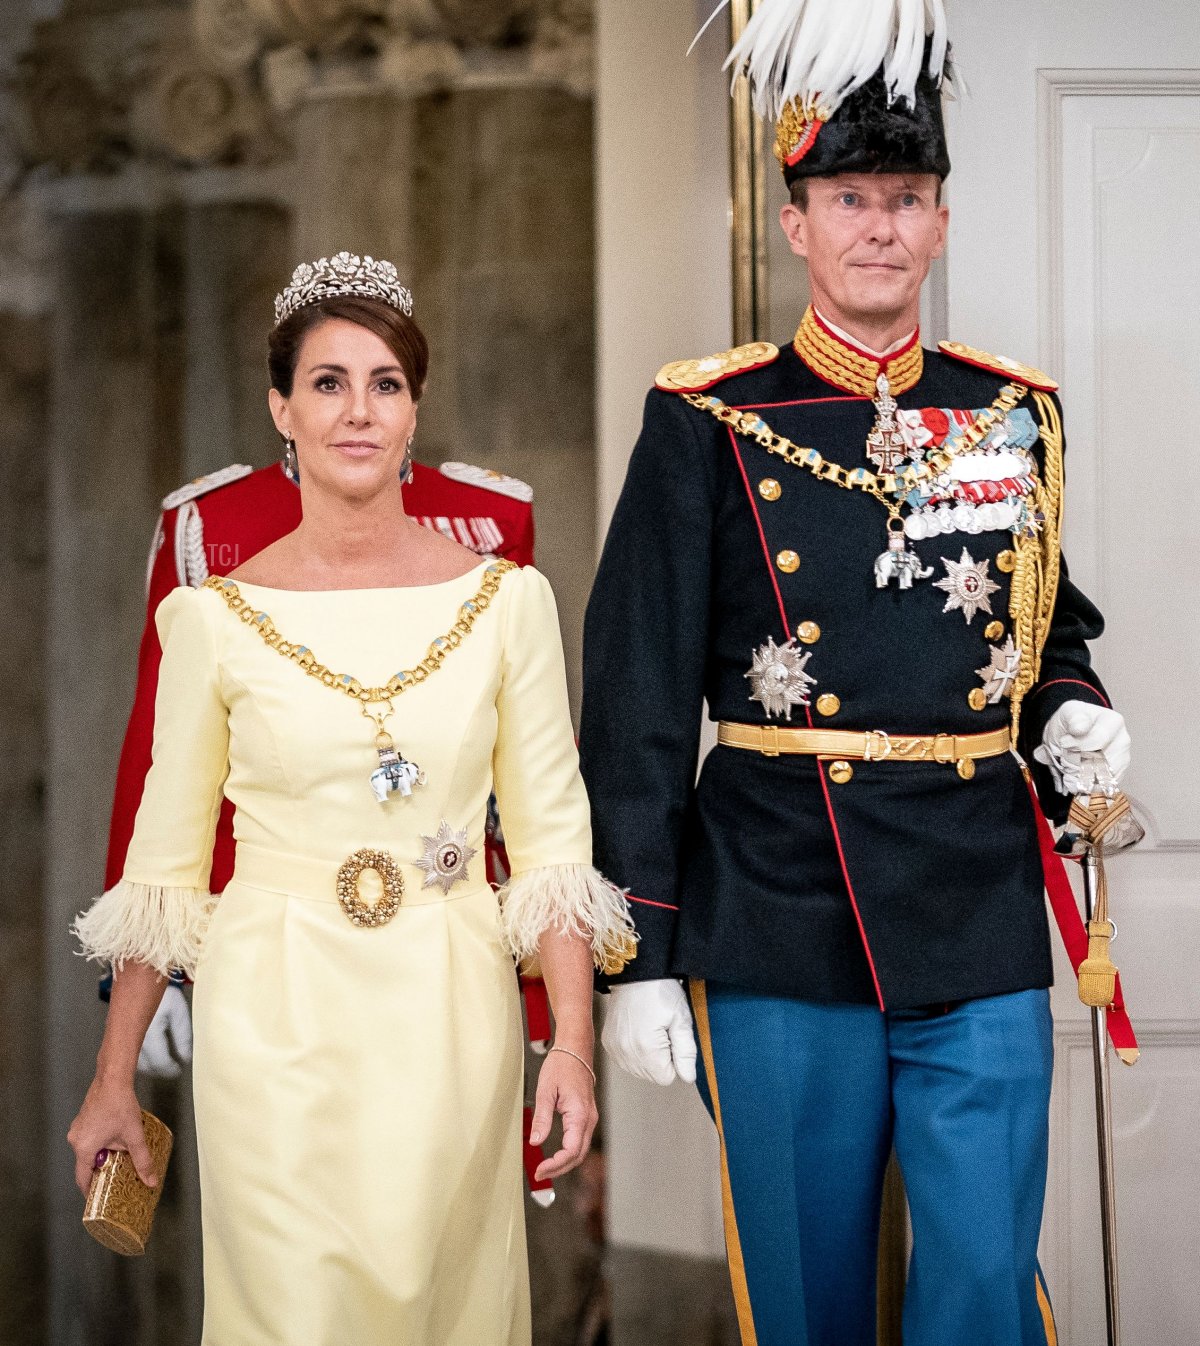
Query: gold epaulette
[(693, 376), (999, 364)]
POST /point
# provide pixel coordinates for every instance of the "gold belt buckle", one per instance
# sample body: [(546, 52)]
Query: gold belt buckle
[(871, 752), (362, 913), (769, 745)]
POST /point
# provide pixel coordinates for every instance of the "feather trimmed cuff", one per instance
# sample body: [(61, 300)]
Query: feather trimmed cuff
[(574, 900), (146, 923)]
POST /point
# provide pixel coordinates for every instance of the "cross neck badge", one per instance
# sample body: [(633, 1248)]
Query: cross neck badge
[(885, 444)]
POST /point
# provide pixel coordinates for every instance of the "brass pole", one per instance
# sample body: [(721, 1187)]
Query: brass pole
[(748, 239), (1104, 1136)]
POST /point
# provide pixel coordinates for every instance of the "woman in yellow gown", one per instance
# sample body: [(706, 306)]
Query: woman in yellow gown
[(357, 690)]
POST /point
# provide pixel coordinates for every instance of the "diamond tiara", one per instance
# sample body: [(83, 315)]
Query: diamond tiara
[(341, 275)]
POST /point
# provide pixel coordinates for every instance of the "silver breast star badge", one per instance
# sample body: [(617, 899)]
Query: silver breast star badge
[(778, 677), (446, 857), (999, 676), (967, 585)]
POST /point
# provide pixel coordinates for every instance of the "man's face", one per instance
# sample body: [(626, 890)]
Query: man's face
[(869, 239)]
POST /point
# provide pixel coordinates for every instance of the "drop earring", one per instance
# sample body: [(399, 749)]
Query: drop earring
[(406, 467), (291, 465)]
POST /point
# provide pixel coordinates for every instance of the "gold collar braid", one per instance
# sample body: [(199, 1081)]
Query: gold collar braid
[(852, 371)]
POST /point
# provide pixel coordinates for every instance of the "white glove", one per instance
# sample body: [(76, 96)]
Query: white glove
[(1086, 747), (170, 1027), (648, 1031)]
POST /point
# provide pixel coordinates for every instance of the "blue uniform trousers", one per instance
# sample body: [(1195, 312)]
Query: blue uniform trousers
[(809, 1100)]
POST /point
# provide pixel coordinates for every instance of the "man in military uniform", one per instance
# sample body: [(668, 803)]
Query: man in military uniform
[(849, 548), (215, 524)]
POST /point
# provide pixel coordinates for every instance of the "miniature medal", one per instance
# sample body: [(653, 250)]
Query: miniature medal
[(999, 676), (886, 446), (446, 858), (779, 679), (967, 585)]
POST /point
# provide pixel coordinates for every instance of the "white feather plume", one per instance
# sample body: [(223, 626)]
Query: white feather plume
[(146, 923), (820, 51), (572, 899)]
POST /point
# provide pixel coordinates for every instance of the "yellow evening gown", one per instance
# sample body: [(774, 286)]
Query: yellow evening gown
[(359, 1090)]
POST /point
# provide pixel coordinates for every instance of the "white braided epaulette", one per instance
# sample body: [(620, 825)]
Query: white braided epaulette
[(471, 475), (202, 485)]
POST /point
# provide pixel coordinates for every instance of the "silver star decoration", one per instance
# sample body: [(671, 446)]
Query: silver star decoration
[(779, 679), (446, 857), (999, 675), (968, 586)]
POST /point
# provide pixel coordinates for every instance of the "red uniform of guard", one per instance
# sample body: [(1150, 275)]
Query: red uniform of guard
[(218, 523)]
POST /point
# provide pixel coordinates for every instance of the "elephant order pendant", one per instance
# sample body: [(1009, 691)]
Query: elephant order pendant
[(394, 774), (898, 563)]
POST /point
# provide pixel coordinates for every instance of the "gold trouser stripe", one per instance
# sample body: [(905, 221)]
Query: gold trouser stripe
[(875, 746), (733, 1244), (1043, 1300)]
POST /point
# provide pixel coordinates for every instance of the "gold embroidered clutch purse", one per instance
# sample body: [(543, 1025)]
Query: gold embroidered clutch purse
[(120, 1207)]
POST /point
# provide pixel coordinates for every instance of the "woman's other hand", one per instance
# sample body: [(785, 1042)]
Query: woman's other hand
[(110, 1119), (566, 1086)]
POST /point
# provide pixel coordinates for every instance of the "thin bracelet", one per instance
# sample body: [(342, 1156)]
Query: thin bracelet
[(568, 1052)]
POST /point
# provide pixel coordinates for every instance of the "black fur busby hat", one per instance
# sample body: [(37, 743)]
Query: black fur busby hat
[(854, 86)]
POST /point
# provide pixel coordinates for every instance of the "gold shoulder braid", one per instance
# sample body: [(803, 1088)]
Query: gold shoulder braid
[(1035, 577), (691, 376), (394, 773)]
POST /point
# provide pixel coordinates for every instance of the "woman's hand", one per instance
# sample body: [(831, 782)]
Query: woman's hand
[(110, 1119), (565, 1085)]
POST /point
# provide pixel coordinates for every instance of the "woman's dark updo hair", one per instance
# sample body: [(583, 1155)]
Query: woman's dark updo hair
[(398, 332)]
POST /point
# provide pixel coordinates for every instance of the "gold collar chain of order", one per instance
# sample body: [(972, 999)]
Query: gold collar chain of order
[(399, 683), (848, 369), (881, 485)]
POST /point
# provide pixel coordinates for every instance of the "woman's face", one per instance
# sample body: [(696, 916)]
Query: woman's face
[(351, 412)]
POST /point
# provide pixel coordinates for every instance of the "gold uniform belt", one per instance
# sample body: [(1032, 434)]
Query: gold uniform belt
[(873, 745)]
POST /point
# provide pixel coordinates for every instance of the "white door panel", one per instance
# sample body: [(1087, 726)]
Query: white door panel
[(1076, 211)]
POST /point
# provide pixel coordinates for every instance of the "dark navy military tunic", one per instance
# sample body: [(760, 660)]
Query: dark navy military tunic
[(904, 886)]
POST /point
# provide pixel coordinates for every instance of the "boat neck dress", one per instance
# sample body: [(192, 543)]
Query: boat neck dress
[(358, 1089)]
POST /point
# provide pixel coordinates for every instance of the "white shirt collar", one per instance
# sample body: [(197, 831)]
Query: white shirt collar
[(845, 336)]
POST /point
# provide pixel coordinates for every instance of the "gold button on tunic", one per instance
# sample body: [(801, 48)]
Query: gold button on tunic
[(788, 562)]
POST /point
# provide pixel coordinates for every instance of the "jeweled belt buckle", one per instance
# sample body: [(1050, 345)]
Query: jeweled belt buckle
[(365, 913)]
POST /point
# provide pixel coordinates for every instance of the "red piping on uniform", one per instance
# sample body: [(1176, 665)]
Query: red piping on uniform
[(1074, 682), (762, 537), (862, 931), (800, 402), (837, 836), (646, 902)]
